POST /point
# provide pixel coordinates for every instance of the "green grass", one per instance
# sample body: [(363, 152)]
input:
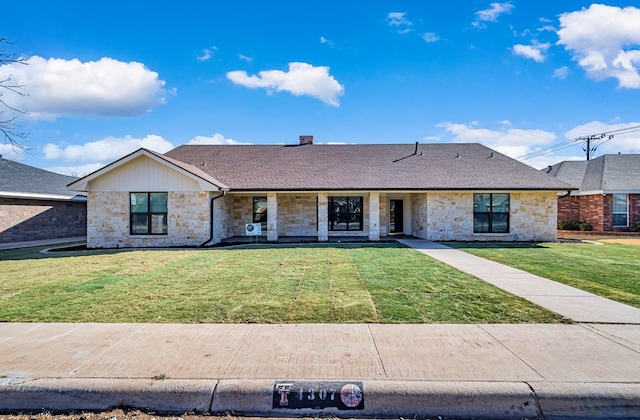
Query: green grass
[(609, 270), (342, 283)]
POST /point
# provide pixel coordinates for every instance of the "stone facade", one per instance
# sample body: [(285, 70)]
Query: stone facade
[(29, 220), (438, 216), (108, 223), (448, 216)]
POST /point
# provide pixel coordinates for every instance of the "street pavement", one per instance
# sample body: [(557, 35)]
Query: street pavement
[(585, 369)]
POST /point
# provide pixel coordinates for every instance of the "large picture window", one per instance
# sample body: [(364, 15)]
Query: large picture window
[(345, 213), (490, 213), (260, 211), (148, 212), (620, 209)]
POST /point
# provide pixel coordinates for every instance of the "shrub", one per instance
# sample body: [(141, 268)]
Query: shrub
[(635, 227), (568, 224), (585, 226)]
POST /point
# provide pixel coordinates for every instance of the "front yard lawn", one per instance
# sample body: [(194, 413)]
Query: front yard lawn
[(333, 283), (610, 270)]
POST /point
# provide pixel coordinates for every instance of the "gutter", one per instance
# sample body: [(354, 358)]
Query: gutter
[(224, 192)]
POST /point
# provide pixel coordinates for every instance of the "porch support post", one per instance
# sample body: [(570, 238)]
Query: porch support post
[(272, 216), (374, 216), (323, 217)]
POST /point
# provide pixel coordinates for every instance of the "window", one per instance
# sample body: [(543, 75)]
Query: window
[(490, 213), (260, 211), (620, 210), (345, 213), (148, 213)]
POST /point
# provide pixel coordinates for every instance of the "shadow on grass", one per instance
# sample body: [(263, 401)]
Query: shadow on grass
[(80, 249)]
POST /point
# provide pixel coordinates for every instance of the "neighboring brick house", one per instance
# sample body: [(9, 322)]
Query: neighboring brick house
[(608, 197), (36, 204), (202, 194)]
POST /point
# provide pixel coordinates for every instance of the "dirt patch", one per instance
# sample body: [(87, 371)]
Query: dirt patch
[(624, 241)]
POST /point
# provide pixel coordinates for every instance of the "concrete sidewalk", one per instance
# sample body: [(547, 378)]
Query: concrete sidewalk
[(479, 371), (572, 303), (41, 242), (587, 370)]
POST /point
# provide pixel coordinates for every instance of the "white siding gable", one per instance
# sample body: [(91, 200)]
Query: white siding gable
[(143, 174)]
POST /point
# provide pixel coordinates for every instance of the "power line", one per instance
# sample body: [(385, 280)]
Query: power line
[(591, 140)]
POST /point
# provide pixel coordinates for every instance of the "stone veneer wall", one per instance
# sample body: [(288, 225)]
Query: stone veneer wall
[(297, 215), (108, 221), (223, 218), (29, 220), (448, 216)]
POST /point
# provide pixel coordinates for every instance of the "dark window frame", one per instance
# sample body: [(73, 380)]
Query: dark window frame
[(491, 216), (151, 229), (260, 217), (351, 216)]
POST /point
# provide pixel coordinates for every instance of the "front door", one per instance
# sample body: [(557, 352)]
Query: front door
[(396, 220)]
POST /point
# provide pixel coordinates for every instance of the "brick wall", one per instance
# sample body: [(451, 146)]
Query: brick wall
[(569, 208), (28, 220), (592, 211), (634, 209)]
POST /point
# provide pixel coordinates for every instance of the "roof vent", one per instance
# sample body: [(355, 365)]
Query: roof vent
[(306, 140)]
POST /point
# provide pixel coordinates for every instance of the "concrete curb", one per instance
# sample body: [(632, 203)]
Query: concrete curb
[(97, 394), (382, 398)]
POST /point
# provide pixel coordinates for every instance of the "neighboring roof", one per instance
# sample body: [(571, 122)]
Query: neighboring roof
[(364, 167), (205, 180), (607, 174), (22, 181)]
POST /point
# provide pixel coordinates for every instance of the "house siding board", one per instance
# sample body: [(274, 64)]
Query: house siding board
[(592, 211), (29, 220), (144, 174), (634, 209)]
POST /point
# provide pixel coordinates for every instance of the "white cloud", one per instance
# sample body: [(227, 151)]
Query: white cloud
[(398, 19), (605, 41), (78, 171), (492, 13), (207, 53), (561, 73), (300, 79), (109, 148), (11, 152), (512, 142), (534, 51), (217, 138), (106, 87), (324, 40), (430, 37), (245, 58)]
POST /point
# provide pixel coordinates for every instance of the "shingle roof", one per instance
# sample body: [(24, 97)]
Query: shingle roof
[(352, 167), (19, 178), (604, 173)]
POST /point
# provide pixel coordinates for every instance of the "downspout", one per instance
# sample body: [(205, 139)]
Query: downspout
[(564, 195), (224, 192)]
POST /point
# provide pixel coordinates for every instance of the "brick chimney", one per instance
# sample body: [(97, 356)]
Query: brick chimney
[(306, 140)]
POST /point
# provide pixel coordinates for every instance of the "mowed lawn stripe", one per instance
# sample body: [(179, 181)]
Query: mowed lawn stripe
[(318, 283)]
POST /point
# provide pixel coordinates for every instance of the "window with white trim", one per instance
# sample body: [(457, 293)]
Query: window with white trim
[(620, 210)]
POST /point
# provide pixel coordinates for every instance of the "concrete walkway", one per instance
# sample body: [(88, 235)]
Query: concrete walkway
[(544, 371), (572, 303)]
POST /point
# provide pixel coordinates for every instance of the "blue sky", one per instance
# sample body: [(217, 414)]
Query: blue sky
[(105, 78)]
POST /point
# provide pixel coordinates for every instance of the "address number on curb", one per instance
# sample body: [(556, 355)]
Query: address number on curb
[(342, 395)]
